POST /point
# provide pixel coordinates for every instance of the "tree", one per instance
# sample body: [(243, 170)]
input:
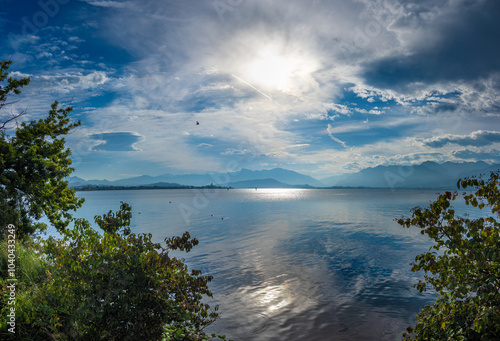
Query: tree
[(463, 266), (116, 286), (13, 86), (84, 285), (33, 165)]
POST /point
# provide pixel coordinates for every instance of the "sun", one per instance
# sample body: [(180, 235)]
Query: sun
[(272, 69)]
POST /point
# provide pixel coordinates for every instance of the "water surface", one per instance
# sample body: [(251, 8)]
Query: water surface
[(292, 264)]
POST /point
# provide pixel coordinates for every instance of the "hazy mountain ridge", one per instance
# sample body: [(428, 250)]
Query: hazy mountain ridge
[(426, 175), (264, 183), (284, 176)]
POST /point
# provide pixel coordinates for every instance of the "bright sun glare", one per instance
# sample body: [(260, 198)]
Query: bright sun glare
[(272, 69)]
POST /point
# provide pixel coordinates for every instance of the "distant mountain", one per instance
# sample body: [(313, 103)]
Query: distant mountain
[(221, 179), (282, 175), (163, 184), (264, 183), (75, 181), (137, 181), (426, 175), (334, 180), (158, 185)]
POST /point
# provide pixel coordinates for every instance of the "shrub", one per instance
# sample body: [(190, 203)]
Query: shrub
[(463, 266), (114, 286)]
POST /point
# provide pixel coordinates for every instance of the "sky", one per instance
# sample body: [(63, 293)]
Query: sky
[(321, 87)]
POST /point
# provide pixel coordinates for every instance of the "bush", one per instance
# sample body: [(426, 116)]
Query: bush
[(463, 266), (30, 272), (113, 286), (86, 285)]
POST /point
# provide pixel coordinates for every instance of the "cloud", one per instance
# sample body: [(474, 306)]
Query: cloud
[(414, 158), (468, 154), (240, 152), (330, 133), (371, 112), (298, 145), (459, 43), (116, 142), (108, 3), (477, 138), (264, 76), (340, 108), (72, 81), (17, 75)]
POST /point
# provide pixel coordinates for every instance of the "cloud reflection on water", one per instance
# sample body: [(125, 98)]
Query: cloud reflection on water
[(296, 264)]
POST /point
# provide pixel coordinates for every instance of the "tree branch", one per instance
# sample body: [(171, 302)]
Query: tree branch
[(12, 118)]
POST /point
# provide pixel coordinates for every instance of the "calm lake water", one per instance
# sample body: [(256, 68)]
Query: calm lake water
[(292, 264)]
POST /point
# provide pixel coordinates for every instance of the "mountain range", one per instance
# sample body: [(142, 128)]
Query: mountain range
[(429, 175), (426, 175)]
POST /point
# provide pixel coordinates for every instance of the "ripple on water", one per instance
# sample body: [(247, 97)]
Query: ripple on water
[(294, 264)]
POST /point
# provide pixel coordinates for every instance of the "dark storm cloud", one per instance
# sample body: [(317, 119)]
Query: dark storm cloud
[(465, 46)]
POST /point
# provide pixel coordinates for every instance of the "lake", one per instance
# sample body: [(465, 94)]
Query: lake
[(292, 264)]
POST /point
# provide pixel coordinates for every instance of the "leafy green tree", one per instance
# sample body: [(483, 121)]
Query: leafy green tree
[(33, 165), (86, 285), (116, 286), (463, 266), (13, 85)]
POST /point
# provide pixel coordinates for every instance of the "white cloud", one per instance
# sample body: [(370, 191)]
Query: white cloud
[(476, 138), (72, 81), (371, 111), (44, 54), (108, 3), (330, 133), (257, 84), (17, 75)]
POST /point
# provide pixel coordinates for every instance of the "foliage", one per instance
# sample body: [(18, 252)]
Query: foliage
[(13, 85), (116, 286), (30, 267), (30, 272), (33, 165), (86, 285), (463, 266)]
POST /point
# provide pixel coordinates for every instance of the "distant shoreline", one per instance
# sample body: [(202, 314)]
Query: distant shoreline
[(428, 175), (89, 188), (93, 188)]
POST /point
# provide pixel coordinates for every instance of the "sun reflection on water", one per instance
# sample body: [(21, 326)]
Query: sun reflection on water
[(273, 298), (278, 194), (268, 299)]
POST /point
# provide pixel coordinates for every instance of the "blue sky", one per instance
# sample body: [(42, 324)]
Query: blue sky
[(320, 87)]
